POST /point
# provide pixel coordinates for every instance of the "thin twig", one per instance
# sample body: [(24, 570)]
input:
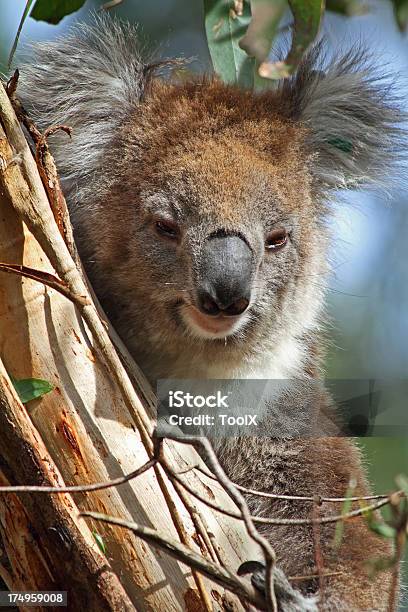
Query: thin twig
[(46, 279), (110, 5), (184, 554), (280, 521), (316, 499), (35, 214), (177, 521), (195, 515), (20, 27), (186, 539), (318, 555), (97, 486), (197, 519), (314, 576), (56, 284)]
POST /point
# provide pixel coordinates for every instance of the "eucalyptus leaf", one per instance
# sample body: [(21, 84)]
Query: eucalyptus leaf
[(402, 483), (100, 542), (338, 533), (29, 389), (383, 530), (401, 13), (52, 11), (224, 27)]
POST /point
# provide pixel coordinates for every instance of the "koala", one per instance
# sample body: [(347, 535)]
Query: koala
[(201, 213)]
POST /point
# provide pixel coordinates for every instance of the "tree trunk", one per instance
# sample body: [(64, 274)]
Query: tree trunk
[(82, 432)]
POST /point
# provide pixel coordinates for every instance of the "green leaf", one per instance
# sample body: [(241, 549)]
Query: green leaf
[(401, 13), (307, 16), (402, 483), (28, 5), (338, 534), (99, 540), (31, 388), (52, 11), (224, 26), (382, 529)]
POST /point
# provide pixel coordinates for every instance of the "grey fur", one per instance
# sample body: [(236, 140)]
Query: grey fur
[(90, 79), (350, 101)]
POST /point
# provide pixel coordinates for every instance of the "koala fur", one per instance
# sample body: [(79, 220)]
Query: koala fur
[(213, 160)]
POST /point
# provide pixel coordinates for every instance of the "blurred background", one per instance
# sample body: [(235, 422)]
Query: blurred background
[(368, 296)]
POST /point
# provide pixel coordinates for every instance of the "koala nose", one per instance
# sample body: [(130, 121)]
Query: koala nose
[(210, 306), (225, 276)]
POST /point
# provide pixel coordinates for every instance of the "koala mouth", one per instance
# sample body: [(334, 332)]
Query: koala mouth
[(211, 327)]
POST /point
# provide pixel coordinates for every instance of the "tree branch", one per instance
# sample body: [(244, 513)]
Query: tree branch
[(188, 556)]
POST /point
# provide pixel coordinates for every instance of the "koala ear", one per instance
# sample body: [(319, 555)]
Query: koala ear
[(354, 133), (90, 79)]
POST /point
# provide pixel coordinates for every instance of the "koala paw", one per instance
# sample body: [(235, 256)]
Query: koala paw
[(288, 598)]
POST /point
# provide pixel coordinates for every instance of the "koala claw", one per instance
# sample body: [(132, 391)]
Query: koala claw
[(288, 598)]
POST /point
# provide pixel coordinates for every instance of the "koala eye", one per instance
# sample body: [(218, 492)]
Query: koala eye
[(276, 239), (167, 229)]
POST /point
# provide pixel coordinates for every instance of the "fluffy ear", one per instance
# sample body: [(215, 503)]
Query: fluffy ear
[(89, 79), (354, 132)]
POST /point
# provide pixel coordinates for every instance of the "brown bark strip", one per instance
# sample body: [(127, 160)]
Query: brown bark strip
[(92, 584), (19, 541), (46, 166), (47, 279)]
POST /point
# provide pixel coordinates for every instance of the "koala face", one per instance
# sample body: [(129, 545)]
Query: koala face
[(215, 231), (224, 239)]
